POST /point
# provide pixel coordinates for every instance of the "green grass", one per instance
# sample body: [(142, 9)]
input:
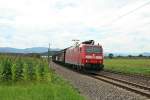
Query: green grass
[(39, 91), (27, 78), (129, 66)]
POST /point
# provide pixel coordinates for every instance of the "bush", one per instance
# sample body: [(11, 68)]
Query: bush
[(23, 68), (31, 71), (6, 74), (111, 55), (17, 71), (40, 71)]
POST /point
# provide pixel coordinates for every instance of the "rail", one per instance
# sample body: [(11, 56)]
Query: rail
[(134, 87)]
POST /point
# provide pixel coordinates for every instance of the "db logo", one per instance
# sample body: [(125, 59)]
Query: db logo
[(94, 56)]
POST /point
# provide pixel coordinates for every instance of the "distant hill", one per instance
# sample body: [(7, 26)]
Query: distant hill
[(9, 50), (51, 53), (26, 50), (146, 54), (43, 51)]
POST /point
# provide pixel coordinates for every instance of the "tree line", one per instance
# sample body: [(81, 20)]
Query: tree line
[(111, 56)]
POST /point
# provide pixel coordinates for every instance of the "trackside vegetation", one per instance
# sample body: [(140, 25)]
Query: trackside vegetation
[(139, 66), (28, 78)]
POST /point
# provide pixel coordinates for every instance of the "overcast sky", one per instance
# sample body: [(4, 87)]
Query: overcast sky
[(119, 25)]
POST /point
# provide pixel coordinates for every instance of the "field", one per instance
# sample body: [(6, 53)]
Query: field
[(28, 78), (129, 66)]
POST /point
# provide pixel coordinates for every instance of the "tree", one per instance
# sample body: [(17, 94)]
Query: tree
[(130, 56), (111, 55), (140, 55), (119, 56)]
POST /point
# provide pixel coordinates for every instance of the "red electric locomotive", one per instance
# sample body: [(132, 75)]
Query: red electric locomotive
[(86, 55)]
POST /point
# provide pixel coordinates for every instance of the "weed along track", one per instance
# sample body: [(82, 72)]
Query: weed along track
[(134, 87)]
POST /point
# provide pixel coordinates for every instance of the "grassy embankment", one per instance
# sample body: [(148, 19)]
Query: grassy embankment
[(26, 78), (128, 66)]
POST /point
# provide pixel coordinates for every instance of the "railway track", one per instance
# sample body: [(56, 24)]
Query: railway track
[(130, 86)]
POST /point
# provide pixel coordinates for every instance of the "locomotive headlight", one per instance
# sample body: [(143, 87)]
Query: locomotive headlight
[(86, 61), (99, 57)]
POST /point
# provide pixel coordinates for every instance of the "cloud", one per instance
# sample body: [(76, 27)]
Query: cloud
[(29, 23)]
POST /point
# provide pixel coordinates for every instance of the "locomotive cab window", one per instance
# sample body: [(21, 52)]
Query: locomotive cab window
[(97, 50), (93, 50), (89, 50)]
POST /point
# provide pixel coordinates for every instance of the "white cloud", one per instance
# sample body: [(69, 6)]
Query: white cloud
[(38, 22)]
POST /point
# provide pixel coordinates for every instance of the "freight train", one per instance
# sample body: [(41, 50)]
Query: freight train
[(85, 56)]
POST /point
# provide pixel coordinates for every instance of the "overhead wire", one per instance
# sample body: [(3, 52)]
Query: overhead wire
[(126, 14)]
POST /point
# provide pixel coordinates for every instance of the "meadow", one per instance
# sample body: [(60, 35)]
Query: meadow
[(140, 66), (28, 78)]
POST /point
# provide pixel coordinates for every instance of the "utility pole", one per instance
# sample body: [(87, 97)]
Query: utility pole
[(49, 54)]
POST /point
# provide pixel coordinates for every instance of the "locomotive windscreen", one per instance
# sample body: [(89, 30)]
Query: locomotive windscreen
[(92, 49)]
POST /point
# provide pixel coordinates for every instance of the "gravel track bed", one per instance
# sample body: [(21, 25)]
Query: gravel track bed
[(94, 89), (145, 81)]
